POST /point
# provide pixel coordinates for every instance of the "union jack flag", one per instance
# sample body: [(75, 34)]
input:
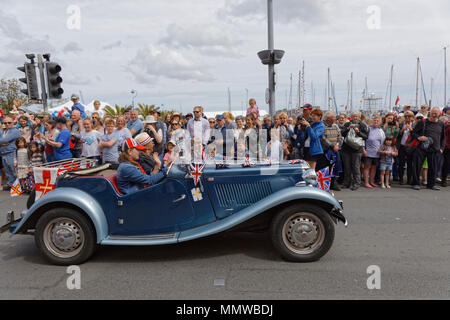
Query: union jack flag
[(197, 171), (324, 179)]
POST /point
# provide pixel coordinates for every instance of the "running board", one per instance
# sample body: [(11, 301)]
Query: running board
[(147, 240)]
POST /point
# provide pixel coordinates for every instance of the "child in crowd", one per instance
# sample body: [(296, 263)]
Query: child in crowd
[(169, 157), (37, 158), (22, 160), (387, 153), (90, 139), (288, 150)]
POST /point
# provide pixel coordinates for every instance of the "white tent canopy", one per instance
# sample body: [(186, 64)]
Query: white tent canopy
[(212, 114), (88, 108)]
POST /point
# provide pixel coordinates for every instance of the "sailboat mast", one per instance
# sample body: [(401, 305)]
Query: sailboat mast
[(290, 95), (229, 100), (390, 88), (445, 76), (351, 91), (303, 83), (431, 93), (298, 89), (366, 94), (329, 90), (417, 85), (348, 94)]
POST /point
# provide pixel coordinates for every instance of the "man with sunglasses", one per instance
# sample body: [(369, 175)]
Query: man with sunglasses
[(199, 126), (8, 148)]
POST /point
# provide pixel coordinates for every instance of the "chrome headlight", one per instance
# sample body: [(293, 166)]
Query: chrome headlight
[(310, 177)]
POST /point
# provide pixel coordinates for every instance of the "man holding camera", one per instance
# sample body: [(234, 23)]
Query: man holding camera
[(156, 134)]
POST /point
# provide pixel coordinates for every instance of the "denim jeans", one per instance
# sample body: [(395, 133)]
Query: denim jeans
[(76, 153), (8, 165)]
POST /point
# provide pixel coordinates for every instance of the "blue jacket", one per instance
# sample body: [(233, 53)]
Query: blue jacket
[(10, 138), (80, 107), (131, 179), (315, 133)]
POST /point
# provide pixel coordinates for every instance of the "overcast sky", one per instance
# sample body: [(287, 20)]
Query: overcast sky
[(186, 53)]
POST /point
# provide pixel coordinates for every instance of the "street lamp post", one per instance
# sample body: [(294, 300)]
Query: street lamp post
[(271, 57), (134, 93)]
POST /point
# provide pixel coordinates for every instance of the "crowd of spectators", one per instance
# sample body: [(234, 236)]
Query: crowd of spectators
[(360, 150)]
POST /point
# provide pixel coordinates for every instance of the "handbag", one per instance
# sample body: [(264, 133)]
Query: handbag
[(412, 144), (354, 141)]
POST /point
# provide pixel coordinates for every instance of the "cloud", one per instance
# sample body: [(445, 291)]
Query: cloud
[(209, 40), (72, 47), (76, 79), (153, 62), (21, 42), (286, 11), (112, 45)]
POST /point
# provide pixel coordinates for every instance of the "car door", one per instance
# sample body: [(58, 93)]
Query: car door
[(162, 208)]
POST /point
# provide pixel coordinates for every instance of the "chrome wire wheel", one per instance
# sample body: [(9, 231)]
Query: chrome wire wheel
[(303, 233), (63, 237)]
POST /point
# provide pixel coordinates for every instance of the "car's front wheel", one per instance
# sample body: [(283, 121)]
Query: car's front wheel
[(302, 233), (65, 236)]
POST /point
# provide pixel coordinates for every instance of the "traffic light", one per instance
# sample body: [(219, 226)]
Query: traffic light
[(32, 90), (54, 80)]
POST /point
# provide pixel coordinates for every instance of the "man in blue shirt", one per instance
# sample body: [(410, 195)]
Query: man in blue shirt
[(134, 124), (8, 149), (77, 105), (61, 146)]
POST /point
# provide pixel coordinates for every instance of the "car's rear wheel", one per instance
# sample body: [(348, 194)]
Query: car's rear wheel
[(65, 236), (302, 233)]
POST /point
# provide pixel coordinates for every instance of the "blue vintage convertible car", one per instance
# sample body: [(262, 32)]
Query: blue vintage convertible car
[(87, 210)]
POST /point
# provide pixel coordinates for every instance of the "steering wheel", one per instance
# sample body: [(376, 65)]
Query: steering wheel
[(169, 168)]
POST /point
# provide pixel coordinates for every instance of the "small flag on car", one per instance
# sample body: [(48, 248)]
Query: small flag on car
[(197, 171), (196, 194), (324, 179), (45, 180), (16, 189)]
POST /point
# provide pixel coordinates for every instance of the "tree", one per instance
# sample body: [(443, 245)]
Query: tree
[(10, 91), (144, 109), (114, 112)]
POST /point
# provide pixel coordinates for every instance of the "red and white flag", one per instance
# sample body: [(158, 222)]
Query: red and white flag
[(397, 100), (16, 189), (45, 180)]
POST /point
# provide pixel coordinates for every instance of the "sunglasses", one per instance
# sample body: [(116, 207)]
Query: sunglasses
[(7, 122), (197, 111), (175, 124)]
